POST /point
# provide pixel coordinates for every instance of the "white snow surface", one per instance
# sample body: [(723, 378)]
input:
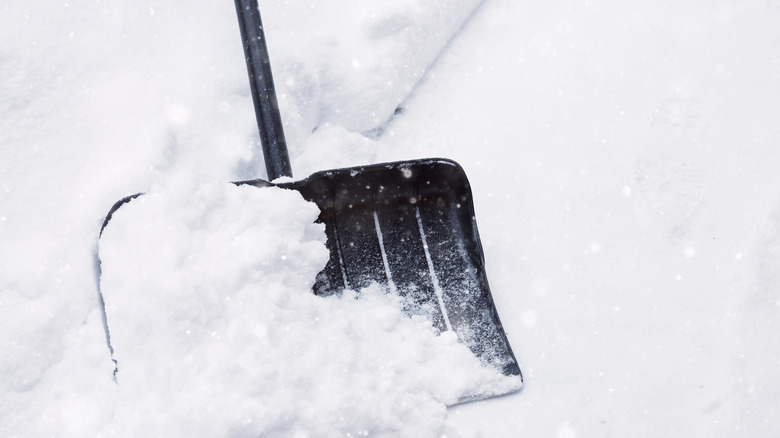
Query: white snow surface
[(623, 159), (215, 330)]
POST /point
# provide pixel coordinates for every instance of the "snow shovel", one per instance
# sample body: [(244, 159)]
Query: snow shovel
[(408, 226)]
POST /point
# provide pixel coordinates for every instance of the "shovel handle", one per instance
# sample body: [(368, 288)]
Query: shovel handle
[(269, 120)]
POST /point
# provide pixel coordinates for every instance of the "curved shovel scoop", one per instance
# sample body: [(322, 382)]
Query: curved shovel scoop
[(410, 226)]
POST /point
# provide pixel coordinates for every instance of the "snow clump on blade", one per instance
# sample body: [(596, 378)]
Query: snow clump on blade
[(215, 330)]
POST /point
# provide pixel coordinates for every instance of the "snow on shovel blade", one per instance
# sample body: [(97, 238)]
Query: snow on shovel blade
[(410, 226)]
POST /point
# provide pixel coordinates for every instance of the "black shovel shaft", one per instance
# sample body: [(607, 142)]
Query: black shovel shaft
[(269, 120)]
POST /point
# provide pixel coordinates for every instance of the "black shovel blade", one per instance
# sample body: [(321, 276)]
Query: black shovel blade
[(410, 226)]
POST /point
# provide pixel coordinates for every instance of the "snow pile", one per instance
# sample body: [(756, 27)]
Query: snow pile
[(216, 332), (350, 63)]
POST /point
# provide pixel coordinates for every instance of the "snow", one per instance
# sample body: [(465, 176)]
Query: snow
[(208, 300), (623, 161)]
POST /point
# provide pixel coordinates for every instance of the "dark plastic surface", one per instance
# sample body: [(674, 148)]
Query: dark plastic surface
[(410, 226)]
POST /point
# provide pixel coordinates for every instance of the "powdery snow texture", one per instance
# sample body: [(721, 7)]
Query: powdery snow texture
[(216, 332)]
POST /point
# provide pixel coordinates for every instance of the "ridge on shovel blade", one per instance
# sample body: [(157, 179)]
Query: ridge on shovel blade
[(410, 226)]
